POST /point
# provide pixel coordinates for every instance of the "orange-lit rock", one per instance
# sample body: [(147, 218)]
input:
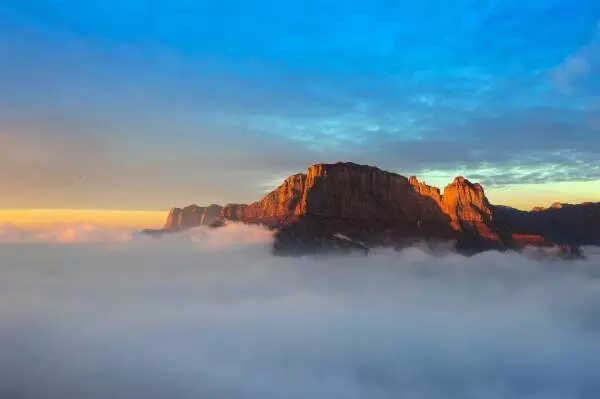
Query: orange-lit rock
[(172, 222), (276, 207), (351, 191), (464, 201), (469, 209), (524, 240), (370, 207)]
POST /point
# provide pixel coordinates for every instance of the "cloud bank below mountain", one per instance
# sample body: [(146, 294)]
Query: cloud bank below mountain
[(212, 314)]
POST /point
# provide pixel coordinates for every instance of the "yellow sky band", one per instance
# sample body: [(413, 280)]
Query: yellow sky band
[(519, 196), (36, 218)]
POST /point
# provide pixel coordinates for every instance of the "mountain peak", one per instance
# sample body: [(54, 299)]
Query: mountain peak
[(353, 191), (320, 169), (365, 204), (463, 181)]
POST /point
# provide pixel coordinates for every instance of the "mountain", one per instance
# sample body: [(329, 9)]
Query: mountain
[(563, 224), (180, 219), (345, 205)]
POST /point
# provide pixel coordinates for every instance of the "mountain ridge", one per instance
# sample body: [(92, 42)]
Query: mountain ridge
[(375, 207)]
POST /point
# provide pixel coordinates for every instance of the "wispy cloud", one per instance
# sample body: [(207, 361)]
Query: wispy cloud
[(576, 67), (217, 98), (64, 233)]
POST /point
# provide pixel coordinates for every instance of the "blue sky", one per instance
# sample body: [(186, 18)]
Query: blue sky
[(151, 103)]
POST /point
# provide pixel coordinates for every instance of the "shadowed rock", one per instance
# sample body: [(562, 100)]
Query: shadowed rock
[(346, 206), (570, 225)]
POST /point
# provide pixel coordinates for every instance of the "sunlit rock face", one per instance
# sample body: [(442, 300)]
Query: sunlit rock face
[(348, 190), (372, 207), (369, 205), (172, 222)]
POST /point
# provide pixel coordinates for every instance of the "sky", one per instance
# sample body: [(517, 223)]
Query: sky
[(149, 104)]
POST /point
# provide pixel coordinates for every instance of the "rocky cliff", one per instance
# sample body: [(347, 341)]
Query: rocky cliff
[(367, 207), (180, 219), (373, 205), (351, 191), (564, 224), (377, 207)]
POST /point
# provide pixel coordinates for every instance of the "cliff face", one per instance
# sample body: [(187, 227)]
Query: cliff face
[(191, 216), (464, 201), (350, 191), (470, 211), (367, 206), (277, 207), (359, 192), (173, 218), (211, 213), (370, 204), (235, 212)]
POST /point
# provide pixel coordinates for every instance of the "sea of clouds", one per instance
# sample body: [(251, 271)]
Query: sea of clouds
[(87, 312)]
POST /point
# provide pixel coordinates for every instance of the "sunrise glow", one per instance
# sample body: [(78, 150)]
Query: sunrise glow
[(40, 218)]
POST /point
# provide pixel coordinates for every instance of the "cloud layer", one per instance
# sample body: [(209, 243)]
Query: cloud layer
[(214, 315), (71, 233)]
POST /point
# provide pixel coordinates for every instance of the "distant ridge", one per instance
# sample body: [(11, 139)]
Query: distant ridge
[(364, 204)]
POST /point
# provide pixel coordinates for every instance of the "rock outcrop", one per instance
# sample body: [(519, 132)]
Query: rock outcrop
[(348, 190), (369, 205), (234, 212), (276, 208), (192, 216), (564, 224), (378, 204), (211, 213), (346, 205), (180, 219), (173, 220)]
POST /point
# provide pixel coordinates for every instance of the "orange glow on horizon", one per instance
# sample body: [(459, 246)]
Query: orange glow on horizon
[(38, 218), (525, 196)]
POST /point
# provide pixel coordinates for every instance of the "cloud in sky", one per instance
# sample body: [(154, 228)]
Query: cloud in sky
[(582, 64), (211, 318), (198, 94)]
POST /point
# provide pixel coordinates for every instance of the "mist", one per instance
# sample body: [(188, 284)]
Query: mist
[(212, 314)]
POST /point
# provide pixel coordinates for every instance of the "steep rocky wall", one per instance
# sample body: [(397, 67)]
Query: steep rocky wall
[(191, 216), (360, 192), (380, 208)]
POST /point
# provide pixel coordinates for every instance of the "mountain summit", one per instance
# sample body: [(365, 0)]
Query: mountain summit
[(347, 205)]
